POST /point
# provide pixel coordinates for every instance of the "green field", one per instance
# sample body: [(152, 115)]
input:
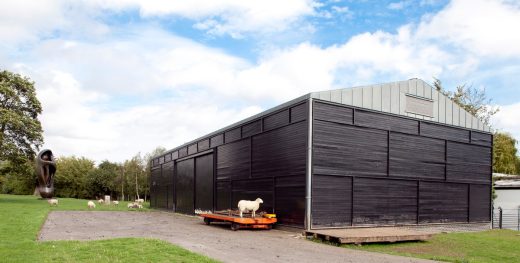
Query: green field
[(487, 246), (22, 216)]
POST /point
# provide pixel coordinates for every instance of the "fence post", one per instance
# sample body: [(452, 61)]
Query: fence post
[(500, 217)]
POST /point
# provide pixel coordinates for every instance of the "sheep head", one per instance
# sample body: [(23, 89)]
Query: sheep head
[(260, 201)]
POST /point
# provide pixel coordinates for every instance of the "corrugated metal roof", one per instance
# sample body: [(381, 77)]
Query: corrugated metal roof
[(413, 98)]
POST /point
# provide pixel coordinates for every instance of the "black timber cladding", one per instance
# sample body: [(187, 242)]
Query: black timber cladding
[(204, 182), (347, 150), (416, 156), (264, 157), (411, 159), (431, 170), (384, 202), (331, 200)]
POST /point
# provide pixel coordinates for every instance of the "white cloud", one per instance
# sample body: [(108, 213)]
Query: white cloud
[(233, 17), (482, 27), (112, 97), (506, 120), (398, 5)]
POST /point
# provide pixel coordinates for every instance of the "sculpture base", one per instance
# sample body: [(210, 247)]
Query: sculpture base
[(46, 192)]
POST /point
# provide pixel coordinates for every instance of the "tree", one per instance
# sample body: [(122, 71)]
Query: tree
[(20, 129), (72, 176), (102, 180), (471, 99), (504, 154)]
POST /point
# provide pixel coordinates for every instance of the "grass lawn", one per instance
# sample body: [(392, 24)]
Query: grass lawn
[(22, 216), (486, 246)]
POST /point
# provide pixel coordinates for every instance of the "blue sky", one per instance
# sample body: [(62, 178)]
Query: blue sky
[(120, 77)]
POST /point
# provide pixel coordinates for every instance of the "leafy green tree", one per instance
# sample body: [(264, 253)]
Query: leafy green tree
[(473, 100), (504, 154), (17, 179), (20, 129), (72, 176), (102, 180)]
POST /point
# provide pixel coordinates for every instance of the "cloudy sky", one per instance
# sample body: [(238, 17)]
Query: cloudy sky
[(118, 77)]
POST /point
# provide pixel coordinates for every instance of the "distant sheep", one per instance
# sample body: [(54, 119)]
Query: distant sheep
[(91, 205), (139, 201), (135, 205), (245, 205), (53, 202), (101, 201), (115, 202)]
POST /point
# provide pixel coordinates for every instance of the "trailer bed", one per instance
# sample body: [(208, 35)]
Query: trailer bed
[(238, 222)]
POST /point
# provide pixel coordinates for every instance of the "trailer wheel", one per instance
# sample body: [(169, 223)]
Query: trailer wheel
[(235, 226), (269, 227), (207, 221)]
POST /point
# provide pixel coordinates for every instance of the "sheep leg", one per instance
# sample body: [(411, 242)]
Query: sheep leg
[(240, 213), (253, 214)]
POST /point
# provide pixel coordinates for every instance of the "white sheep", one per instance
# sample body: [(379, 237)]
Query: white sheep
[(140, 206), (101, 201), (132, 205), (115, 202), (139, 201), (245, 205), (53, 202), (91, 204)]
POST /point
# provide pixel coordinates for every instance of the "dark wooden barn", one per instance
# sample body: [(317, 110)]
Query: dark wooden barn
[(389, 154)]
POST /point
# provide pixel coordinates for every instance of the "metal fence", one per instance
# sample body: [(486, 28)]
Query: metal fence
[(506, 218)]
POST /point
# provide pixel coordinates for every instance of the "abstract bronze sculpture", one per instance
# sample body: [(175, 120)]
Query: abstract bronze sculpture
[(45, 169)]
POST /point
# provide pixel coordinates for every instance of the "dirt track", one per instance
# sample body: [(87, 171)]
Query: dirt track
[(214, 241)]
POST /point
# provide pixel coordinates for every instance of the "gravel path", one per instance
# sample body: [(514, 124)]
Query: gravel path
[(215, 241)]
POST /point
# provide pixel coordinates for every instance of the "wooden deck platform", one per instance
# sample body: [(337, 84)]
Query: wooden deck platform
[(368, 235)]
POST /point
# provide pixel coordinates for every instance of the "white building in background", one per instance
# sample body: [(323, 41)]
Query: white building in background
[(508, 194)]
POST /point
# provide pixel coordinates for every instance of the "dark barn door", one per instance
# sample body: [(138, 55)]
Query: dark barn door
[(184, 188), (204, 182)]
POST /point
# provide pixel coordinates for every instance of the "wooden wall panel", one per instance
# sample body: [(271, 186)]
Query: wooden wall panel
[(416, 157), (167, 180), (299, 112), (192, 149), (233, 160), (185, 186), (155, 183), (444, 132), (253, 189), (479, 203), (252, 128), (216, 140), (280, 152), (333, 113), (331, 201), (443, 202), (468, 163), (386, 122), (276, 120), (481, 138), (203, 145), (223, 189), (183, 152), (232, 135), (290, 200), (204, 182), (347, 150), (384, 201)]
